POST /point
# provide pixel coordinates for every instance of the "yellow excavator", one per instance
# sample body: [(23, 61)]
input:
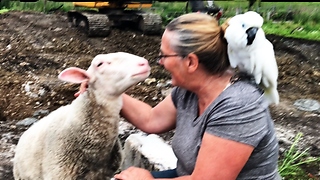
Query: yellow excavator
[(112, 13), (102, 15), (124, 12)]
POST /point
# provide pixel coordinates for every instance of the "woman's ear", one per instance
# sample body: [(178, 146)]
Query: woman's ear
[(192, 61)]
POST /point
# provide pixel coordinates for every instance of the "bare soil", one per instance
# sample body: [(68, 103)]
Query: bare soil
[(35, 47)]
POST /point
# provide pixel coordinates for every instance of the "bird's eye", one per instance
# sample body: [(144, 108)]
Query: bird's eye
[(243, 25), (99, 64)]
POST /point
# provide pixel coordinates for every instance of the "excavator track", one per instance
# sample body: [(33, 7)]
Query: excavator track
[(150, 23), (92, 24)]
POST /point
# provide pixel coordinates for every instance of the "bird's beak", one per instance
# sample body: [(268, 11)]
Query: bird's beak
[(251, 34)]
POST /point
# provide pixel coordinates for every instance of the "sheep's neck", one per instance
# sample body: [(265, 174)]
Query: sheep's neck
[(103, 106), (98, 134), (102, 116)]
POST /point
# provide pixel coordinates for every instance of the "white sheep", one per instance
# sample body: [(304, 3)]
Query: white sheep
[(80, 140)]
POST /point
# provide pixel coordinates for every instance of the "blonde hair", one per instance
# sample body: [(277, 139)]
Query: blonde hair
[(202, 35)]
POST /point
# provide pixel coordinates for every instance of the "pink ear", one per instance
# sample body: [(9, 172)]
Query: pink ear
[(74, 75)]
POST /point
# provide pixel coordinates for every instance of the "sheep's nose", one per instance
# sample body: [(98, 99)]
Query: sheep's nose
[(144, 63)]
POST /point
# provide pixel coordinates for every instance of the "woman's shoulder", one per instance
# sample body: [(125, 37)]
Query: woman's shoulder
[(244, 87), (244, 83), (242, 93)]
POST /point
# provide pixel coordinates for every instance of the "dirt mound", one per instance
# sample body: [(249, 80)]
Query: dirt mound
[(35, 47)]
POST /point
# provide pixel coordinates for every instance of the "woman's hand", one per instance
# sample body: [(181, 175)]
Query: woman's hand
[(134, 173), (83, 88)]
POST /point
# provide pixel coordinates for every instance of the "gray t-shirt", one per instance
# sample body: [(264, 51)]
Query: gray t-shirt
[(240, 114)]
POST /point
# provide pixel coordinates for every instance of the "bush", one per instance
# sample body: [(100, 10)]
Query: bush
[(4, 4)]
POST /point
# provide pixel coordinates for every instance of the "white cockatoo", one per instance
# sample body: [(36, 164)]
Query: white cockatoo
[(250, 51)]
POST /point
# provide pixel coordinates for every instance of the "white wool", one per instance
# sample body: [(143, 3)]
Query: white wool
[(154, 149)]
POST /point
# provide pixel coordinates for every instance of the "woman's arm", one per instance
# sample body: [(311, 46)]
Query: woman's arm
[(158, 119), (218, 159)]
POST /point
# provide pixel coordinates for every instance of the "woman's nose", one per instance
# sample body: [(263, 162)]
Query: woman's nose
[(160, 61)]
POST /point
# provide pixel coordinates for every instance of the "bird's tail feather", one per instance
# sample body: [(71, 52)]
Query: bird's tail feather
[(272, 95)]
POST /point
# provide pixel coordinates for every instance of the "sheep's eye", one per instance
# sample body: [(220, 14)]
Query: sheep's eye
[(99, 64)]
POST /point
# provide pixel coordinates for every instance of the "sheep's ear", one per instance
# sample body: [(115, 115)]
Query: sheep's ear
[(74, 75)]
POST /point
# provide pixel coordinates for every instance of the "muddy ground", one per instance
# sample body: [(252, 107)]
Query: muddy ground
[(35, 47)]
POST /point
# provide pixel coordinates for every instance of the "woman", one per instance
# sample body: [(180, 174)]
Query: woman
[(223, 127)]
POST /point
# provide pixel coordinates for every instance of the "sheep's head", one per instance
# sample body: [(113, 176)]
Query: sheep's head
[(111, 73)]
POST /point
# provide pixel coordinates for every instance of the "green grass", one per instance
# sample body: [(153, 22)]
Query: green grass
[(294, 19), (39, 6), (290, 29), (290, 166), (3, 11), (303, 16)]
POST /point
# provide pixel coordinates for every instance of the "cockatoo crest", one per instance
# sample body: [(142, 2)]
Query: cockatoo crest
[(250, 51)]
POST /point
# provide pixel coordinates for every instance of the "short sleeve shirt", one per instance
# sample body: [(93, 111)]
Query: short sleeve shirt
[(240, 113)]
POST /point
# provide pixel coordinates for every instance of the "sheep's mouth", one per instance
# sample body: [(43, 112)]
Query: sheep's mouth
[(141, 73)]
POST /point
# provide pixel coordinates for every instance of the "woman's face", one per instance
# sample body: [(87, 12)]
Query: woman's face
[(171, 61)]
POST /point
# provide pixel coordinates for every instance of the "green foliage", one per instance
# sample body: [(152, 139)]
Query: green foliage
[(294, 19), (309, 30), (3, 11), (290, 166), (167, 6), (303, 16), (40, 6), (4, 4), (170, 11)]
